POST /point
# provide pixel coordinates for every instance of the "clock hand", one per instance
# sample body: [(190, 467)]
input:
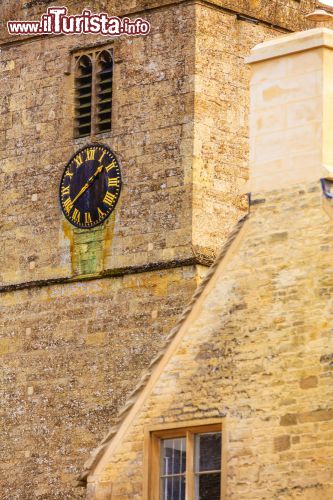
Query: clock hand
[(85, 187), (88, 183)]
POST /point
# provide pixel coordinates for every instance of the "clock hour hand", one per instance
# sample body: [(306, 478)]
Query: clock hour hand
[(88, 183)]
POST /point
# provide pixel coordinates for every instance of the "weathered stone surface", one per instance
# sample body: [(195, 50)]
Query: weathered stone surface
[(246, 363), (220, 166), (70, 354), (170, 205), (281, 443), (260, 332), (309, 382), (287, 14), (152, 116)]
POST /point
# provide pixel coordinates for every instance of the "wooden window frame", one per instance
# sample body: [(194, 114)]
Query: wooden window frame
[(93, 54), (153, 437)]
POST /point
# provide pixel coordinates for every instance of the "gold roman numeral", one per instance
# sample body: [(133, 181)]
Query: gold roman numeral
[(109, 198), (69, 174), (114, 181), (100, 213), (87, 218), (65, 191), (76, 216), (68, 205), (101, 158), (112, 165), (78, 160), (90, 154)]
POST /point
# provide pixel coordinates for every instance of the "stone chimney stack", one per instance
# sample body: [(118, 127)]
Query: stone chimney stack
[(291, 116)]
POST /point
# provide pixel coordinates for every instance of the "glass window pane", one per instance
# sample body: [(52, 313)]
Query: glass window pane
[(208, 487), (173, 488), (173, 456), (208, 452)]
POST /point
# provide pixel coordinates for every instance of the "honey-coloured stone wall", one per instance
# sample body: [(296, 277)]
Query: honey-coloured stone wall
[(221, 119), (70, 354), (151, 135), (259, 354), (191, 50), (286, 14), (255, 350), (72, 348)]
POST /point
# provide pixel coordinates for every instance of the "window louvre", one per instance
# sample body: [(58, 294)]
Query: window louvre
[(83, 94), (93, 93), (104, 91)]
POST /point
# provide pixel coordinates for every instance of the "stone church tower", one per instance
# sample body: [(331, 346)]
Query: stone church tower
[(85, 312)]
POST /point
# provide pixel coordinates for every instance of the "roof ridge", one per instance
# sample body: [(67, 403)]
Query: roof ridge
[(97, 453)]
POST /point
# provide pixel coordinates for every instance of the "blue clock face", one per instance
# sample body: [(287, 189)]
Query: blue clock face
[(90, 186)]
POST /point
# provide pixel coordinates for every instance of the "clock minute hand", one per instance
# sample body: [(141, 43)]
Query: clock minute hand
[(88, 183), (85, 187)]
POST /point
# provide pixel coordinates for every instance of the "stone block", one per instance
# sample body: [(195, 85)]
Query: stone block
[(281, 443)]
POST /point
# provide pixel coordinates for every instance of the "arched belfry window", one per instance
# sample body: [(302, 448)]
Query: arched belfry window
[(104, 91), (93, 93), (83, 96)]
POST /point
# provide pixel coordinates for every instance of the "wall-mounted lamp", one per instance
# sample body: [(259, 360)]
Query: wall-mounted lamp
[(327, 187), (327, 204)]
